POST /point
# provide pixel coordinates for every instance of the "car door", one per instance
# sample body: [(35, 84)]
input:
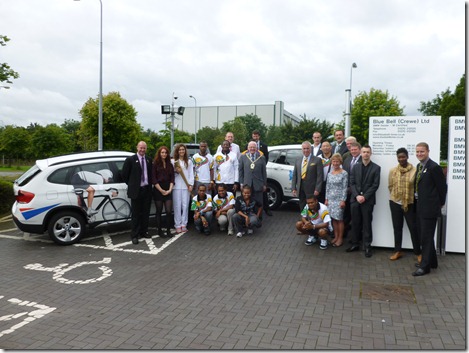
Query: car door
[(278, 169)]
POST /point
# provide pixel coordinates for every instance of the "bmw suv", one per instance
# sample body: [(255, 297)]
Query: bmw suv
[(65, 194), (280, 173)]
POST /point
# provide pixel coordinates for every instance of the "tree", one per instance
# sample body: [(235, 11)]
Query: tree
[(49, 141), (446, 104), (71, 128), (121, 131), (253, 122), (213, 136), (374, 103), (6, 72), (14, 142)]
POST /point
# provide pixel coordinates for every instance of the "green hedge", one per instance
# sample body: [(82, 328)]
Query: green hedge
[(7, 198)]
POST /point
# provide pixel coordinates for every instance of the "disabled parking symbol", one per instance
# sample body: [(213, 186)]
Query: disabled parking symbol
[(60, 270)]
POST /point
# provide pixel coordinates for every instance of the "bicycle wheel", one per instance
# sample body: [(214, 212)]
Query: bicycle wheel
[(116, 210)]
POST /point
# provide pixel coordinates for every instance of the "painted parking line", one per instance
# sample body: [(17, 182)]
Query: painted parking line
[(28, 316)]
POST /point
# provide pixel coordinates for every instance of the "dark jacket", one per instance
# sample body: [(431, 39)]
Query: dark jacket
[(369, 185), (132, 174), (432, 190)]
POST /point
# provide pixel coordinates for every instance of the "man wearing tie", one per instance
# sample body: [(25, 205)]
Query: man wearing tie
[(364, 183), (252, 171), (349, 163), (430, 196), (136, 173), (308, 175), (339, 145)]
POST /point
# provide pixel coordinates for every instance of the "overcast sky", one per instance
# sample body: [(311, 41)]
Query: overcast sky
[(226, 52)]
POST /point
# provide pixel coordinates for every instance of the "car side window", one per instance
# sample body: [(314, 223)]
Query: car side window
[(273, 155), (60, 176), (292, 156)]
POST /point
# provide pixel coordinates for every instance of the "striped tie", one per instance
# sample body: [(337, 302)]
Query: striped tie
[(303, 168)]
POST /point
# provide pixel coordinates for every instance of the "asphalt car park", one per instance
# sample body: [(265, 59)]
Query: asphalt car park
[(266, 291)]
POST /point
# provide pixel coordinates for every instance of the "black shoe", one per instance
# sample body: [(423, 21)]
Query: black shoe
[(146, 235), (353, 248), (135, 240), (417, 264), (420, 272), (268, 212), (368, 252)]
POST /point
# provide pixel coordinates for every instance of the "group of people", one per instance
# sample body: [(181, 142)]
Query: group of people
[(203, 183), (336, 185)]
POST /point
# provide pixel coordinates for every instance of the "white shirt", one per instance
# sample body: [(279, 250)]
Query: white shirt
[(179, 183), (220, 204), (202, 167), (234, 148), (225, 171)]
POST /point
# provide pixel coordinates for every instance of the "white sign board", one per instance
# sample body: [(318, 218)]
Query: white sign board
[(455, 204), (386, 135)]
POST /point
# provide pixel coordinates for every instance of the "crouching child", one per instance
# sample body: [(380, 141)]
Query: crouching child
[(247, 213), (315, 222), (202, 207)]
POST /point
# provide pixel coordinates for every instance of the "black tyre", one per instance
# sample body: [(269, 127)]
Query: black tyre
[(274, 195), (67, 227)]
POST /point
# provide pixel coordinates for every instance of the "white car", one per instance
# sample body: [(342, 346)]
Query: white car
[(280, 172), (52, 195)]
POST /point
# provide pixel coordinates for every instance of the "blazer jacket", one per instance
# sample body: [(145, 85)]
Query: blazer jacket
[(368, 186), (346, 164), (432, 190), (257, 177), (314, 175), (343, 147), (132, 174)]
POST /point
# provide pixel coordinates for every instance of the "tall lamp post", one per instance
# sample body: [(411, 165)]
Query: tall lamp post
[(100, 112), (348, 104), (166, 109), (195, 105)]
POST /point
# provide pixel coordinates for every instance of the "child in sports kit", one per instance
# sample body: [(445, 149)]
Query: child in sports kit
[(202, 207), (315, 221), (223, 208)]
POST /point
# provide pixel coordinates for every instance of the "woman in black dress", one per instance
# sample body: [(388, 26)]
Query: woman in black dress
[(163, 180)]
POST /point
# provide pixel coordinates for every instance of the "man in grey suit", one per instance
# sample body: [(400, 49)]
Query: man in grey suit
[(253, 172), (308, 175), (339, 145), (364, 182)]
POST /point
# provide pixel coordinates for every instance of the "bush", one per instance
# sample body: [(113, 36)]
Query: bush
[(7, 197)]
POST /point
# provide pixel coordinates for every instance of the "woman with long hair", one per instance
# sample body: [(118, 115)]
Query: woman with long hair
[(183, 183), (163, 180)]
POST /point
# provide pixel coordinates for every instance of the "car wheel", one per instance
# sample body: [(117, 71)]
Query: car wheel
[(66, 228), (274, 195)]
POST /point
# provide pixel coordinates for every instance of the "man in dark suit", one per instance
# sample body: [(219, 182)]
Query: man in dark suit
[(261, 146), (430, 196), (317, 143), (364, 183), (350, 161), (252, 171), (308, 176), (136, 173), (339, 145)]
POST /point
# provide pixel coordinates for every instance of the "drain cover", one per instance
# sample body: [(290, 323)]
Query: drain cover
[(387, 292)]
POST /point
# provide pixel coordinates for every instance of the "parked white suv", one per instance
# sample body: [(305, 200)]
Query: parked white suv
[(280, 173), (52, 195)]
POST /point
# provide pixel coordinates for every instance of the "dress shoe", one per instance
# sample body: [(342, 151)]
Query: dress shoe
[(420, 272), (135, 240), (368, 252), (146, 235), (268, 212), (395, 256), (353, 248)]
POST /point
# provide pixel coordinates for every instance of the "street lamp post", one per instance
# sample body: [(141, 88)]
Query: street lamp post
[(348, 104), (166, 109), (195, 105), (100, 112)]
